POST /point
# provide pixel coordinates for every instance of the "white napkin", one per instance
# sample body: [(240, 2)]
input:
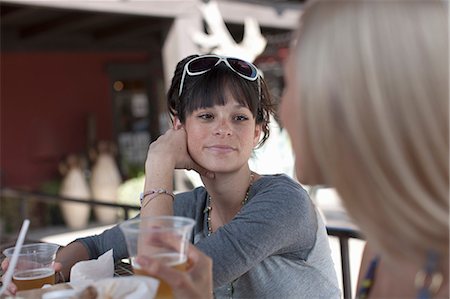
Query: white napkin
[(86, 272), (99, 274), (128, 287)]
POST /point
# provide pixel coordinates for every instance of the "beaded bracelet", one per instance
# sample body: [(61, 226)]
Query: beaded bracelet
[(154, 193)]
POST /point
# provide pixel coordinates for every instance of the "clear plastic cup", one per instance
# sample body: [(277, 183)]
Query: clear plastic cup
[(163, 237), (34, 265)]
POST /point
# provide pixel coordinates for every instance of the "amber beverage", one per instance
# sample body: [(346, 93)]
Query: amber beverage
[(34, 266), (165, 238), (34, 278), (164, 290)]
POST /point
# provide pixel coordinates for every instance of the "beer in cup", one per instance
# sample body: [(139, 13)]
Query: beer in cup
[(34, 265), (161, 237)]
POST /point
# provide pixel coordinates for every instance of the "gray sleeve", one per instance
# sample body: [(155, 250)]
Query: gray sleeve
[(280, 220), (97, 245), (113, 238)]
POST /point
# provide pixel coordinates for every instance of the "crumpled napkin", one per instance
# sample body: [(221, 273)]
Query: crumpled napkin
[(99, 274), (129, 287), (86, 272)]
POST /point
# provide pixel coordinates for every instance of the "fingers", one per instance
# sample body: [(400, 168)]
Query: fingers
[(196, 282), (11, 290), (5, 264), (167, 240), (59, 276), (157, 269), (200, 265), (194, 255), (181, 283), (57, 266)]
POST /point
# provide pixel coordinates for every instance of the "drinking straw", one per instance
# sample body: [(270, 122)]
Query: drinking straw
[(9, 273)]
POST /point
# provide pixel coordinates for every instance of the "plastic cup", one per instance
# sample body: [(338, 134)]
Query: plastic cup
[(34, 265), (163, 237)]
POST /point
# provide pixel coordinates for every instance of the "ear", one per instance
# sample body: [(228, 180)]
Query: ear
[(257, 136), (176, 123)]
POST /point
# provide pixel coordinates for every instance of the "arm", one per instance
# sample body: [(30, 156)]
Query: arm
[(69, 255), (91, 248), (167, 153)]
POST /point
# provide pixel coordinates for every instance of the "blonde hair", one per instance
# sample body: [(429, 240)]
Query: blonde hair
[(373, 78)]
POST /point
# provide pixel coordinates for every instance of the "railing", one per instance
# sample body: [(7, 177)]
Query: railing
[(25, 196), (342, 233)]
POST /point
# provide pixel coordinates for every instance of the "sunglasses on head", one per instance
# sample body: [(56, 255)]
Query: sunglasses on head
[(202, 64)]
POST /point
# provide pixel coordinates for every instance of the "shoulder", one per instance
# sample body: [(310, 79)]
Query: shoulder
[(283, 198), (280, 184)]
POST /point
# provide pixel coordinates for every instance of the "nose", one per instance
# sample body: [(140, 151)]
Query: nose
[(223, 128)]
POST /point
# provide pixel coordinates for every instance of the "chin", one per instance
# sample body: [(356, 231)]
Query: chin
[(221, 166)]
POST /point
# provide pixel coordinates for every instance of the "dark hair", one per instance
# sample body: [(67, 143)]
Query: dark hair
[(211, 88)]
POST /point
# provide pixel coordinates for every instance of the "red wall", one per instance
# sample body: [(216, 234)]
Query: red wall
[(45, 101)]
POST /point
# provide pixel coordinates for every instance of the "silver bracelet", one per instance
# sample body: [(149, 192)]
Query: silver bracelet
[(155, 192)]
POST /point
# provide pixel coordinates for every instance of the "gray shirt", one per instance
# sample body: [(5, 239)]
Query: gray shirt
[(275, 247)]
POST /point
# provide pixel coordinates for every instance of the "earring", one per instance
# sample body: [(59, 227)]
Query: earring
[(428, 281)]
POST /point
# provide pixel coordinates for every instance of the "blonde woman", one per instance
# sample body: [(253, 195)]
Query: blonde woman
[(366, 105)]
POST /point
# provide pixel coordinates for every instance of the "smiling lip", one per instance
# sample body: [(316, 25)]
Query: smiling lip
[(221, 148)]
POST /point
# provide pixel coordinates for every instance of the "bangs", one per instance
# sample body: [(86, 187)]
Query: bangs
[(216, 87)]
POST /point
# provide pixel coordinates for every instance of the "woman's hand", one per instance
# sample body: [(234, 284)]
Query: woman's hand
[(195, 283), (12, 288), (171, 147)]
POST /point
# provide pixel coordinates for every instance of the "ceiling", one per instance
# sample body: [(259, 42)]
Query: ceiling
[(30, 28), (26, 27)]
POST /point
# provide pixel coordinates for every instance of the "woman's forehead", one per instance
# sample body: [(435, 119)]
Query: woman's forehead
[(228, 103), (226, 98)]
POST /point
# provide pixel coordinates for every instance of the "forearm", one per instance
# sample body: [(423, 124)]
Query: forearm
[(159, 175), (70, 255)]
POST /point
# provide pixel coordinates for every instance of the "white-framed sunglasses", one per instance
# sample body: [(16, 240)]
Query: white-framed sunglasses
[(202, 64)]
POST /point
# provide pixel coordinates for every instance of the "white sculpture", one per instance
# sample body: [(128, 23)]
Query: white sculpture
[(219, 40)]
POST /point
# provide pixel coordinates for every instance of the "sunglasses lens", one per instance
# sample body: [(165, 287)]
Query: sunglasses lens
[(202, 64), (243, 67)]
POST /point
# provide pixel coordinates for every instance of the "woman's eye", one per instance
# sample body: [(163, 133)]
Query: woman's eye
[(206, 116), (241, 117)]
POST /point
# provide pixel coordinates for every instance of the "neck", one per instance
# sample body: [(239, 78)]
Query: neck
[(228, 190), (226, 196)]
